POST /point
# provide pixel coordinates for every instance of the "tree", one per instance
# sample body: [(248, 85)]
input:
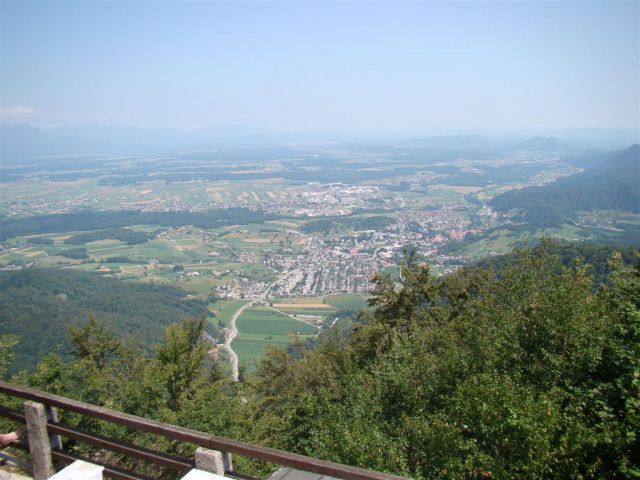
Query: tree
[(7, 352), (526, 372), (95, 343), (181, 358)]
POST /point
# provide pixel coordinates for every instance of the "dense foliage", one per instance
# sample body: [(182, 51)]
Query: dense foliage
[(39, 305), (598, 257), (79, 253), (612, 185), (94, 220), (40, 241), (529, 372), (326, 225), (126, 235)]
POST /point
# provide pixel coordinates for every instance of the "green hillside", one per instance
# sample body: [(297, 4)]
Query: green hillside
[(40, 305), (528, 371), (611, 185)]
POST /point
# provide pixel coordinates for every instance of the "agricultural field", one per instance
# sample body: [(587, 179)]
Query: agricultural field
[(349, 301), (299, 237), (224, 309), (502, 241), (56, 196), (191, 258), (262, 326)]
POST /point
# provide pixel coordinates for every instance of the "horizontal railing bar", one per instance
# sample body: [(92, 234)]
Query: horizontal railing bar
[(152, 456), (68, 458), (273, 455), (11, 414)]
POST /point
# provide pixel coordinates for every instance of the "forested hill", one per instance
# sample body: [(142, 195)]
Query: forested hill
[(597, 257), (39, 305), (528, 371), (93, 220), (611, 185)]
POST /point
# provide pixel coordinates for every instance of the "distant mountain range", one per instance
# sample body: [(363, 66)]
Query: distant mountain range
[(611, 183), (479, 143), (21, 142), (458, 142), (544, 144)]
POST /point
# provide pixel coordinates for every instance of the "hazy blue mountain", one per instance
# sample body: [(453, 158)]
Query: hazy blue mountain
[(544, 144), (21, 143), (613, 183), (591, 158), (457, 142)]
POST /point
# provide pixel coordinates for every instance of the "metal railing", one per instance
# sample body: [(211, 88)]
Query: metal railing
[(173, 432)]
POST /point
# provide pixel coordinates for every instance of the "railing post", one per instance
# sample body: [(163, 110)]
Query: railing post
[(213, 461), (39, 445), (54, 440)]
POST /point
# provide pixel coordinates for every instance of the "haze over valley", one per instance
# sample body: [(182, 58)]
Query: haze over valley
[(398, 236)]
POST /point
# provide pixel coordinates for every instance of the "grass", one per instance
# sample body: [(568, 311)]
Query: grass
[(259, 327), (264, 321), (502, 241), (347, 301), (250, 349), (224, 309), (394, 271)]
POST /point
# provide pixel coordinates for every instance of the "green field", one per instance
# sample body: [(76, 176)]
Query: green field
[(347, 301), (261, 326), (502, 241), (90, 193), (224, 309)]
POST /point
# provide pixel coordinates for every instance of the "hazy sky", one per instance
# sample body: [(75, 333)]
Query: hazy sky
[(307, 65)]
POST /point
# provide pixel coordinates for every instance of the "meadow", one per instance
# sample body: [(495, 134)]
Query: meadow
[(262, 326)]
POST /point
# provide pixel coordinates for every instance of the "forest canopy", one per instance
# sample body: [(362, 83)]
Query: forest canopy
[(529, 371)]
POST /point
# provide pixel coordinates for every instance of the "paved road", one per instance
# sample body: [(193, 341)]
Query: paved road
[(233, 333)]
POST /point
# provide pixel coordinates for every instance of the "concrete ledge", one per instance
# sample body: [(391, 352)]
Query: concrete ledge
[(79, 470), (202, 475)]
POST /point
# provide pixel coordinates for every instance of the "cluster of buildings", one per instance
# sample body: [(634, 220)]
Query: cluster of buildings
[(345, 262)]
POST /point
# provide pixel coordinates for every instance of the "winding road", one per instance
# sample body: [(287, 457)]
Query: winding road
[(233, 332)]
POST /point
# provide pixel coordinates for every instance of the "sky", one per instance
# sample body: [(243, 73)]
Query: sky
[(322, 65)]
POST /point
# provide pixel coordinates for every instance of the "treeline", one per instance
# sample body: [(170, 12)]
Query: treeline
[(99, 220), (597, 258), (525, 373), (529, 371), (39, 305), (328, 174), (75, 253), (326, 225), (126, 235), (40, 241), (613, 185)]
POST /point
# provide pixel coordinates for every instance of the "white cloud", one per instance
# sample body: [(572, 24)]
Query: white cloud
[(17, 111)]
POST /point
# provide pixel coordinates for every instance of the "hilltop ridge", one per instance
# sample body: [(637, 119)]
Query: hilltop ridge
[(613, 183)]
